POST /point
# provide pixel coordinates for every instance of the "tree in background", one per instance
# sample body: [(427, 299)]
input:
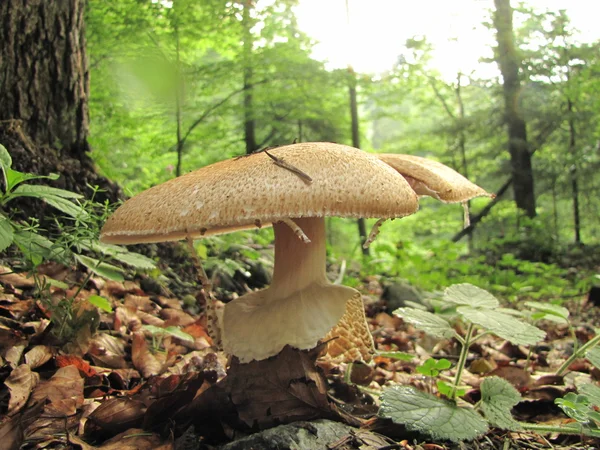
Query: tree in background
[(509, 63), (44, 90)]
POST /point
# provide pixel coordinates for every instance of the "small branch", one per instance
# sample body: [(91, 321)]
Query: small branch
[(202, 277), (281, 163), (373, 234), (296, 229)]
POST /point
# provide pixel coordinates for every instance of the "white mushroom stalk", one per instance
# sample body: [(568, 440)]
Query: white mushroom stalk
[(299, 308)]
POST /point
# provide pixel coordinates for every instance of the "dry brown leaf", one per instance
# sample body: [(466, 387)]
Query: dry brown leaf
[(284, 388), (126, 319), (166, 302), (150, 319), (72, 360), (13, 355), (18, 280), (142, 359), (140, 303), (38, 356), (176, 317), (20, 383), (118, 414), (18, 308), (133, 439), (519, 378), (11, 434), (63, 392)]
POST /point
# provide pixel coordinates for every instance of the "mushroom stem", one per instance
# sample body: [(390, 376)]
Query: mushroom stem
[(299, 263), (299, 308)]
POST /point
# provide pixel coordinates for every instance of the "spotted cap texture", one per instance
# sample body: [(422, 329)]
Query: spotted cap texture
[(434, 179), (254, 190)]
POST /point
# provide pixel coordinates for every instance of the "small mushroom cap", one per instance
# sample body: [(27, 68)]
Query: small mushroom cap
[(428, 177), (254, 190)]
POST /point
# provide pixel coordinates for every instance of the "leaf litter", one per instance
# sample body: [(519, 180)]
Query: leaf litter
[(136, 377)]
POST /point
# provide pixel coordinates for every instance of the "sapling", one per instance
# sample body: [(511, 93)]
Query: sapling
[(443, 418)]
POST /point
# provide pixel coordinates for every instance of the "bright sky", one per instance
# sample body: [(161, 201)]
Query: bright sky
[(379, 29)]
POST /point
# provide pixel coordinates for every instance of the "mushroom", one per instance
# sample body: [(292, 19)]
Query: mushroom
[(434, 179), (293, 188)]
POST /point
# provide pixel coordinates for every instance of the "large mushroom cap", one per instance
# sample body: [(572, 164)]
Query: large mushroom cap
[(428, 177), (254, 190)]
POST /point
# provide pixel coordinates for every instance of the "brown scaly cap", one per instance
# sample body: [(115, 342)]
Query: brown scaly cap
[(432, 178), (251, 191)]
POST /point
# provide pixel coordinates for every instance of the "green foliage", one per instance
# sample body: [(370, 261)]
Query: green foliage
[(423, 412), (432, 367), (582, 407), (498, 397)]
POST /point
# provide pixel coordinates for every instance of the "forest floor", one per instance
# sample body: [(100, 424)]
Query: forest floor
[(78, 377)]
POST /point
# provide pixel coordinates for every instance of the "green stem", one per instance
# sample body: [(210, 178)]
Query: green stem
[(578, 354), (462, 360), (576, 431)]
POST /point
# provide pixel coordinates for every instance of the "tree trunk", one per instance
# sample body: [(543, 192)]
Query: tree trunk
[(44, 80), (362, 228), (249, 121), (44, 86), (520, 155), (574, 180)]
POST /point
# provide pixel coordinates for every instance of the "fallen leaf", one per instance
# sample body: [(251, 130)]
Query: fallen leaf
[(142, 359), (13, 355), (284, 388), (18, 280), (11, 434), (72, 360), (118, 414), (63, 393), (516, 376), (38, 356), (175, 317), (133, 439), (20, 383)]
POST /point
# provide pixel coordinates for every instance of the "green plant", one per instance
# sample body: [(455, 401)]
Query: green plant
[(159, 333), (74, 237), (444, 418)]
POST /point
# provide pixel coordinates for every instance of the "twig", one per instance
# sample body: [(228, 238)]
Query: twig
[(281, 163), (202, 277), (296, 229), (374, 232)]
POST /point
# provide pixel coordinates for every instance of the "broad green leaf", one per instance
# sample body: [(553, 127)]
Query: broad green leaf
[(592, 392), (503, 325), (100, 268), (67, 206), (39, 191), (176, 332), (498, 397), (593, 356), (549, 309), (7, 233), (5, 158), (396, 355), (446, 389), (35, 248), (467, 294), (100, 302), (14, 177), (426, 321), (423, 412)]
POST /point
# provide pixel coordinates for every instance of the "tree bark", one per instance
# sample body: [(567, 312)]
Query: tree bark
[(574, 177), (520, 155), (362, 228), (44, 81), (249, 121), (44, 86)]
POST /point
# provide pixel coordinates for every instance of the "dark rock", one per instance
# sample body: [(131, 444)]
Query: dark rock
[(314, 435), (396, 295)]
